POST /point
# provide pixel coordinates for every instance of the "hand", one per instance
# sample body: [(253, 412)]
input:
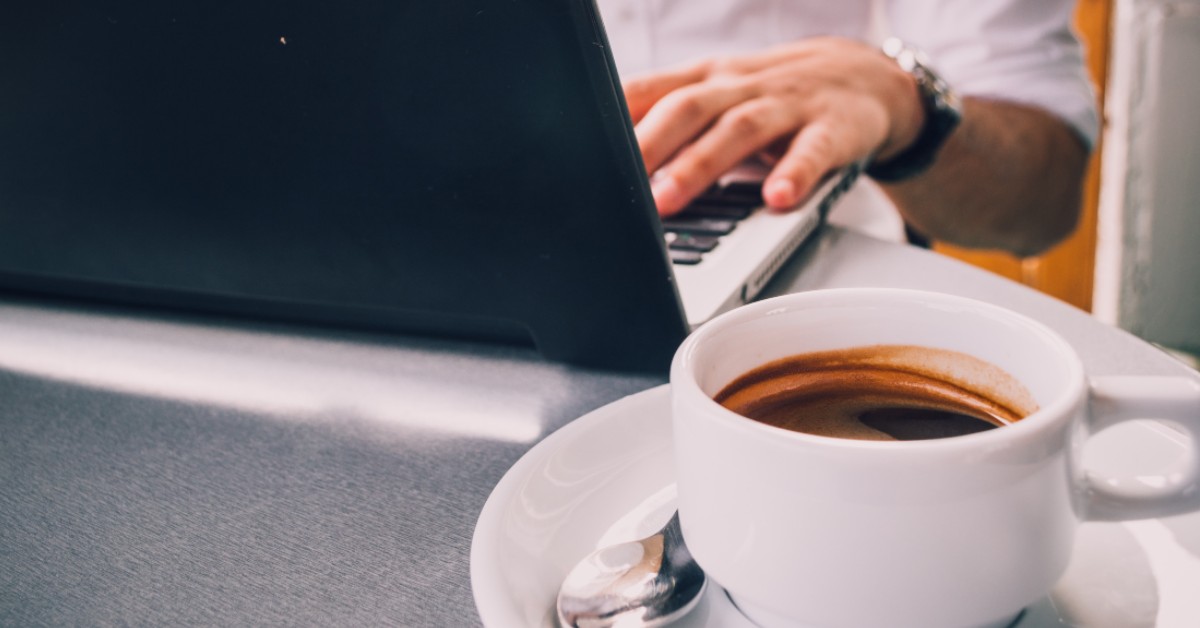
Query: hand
[(808, 107)]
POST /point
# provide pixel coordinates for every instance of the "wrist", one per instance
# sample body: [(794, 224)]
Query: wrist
[(938, 114), (907, 115)]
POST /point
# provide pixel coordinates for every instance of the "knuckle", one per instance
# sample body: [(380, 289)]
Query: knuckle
[(752, 120), (821, 141), (700, 166), (723, 66), (804, 169), (685, 103)]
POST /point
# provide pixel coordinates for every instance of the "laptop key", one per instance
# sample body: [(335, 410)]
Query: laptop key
[(717, 210), (748, 191), (742, 193), (691, 242), (702, 226), (684, 257)]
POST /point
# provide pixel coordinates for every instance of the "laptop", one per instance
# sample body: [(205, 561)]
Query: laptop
[(458, 168)]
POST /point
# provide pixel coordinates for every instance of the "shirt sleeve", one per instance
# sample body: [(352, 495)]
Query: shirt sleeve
[(1016, 50)]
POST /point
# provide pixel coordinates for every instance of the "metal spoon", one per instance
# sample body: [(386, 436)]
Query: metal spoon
[(652, 581)]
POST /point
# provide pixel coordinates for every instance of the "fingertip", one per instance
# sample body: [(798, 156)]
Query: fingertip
[(779, 193), (668, 195)]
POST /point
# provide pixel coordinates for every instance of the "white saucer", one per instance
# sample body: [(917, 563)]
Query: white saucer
[(608, 477)]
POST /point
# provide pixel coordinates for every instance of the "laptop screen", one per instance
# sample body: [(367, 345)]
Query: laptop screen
[(461, 167)]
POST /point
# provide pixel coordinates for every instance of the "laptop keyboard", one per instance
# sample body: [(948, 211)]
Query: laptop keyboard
[(698, 228)]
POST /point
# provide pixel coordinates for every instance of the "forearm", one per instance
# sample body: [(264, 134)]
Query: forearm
[(1010, 177)]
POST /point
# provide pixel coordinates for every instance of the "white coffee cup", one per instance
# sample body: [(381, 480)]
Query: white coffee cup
[(965, 531)]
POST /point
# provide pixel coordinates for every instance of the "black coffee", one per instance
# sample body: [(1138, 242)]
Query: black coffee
[(882, 392)]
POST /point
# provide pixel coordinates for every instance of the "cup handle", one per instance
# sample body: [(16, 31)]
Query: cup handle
[(1172, 399)]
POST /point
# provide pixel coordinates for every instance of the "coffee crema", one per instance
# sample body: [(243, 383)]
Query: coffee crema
[(880, 392)]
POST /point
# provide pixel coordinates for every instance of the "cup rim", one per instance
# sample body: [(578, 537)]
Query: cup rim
[(683, 369)]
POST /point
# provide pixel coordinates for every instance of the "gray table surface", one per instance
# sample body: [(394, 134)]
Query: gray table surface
[(161, 469)]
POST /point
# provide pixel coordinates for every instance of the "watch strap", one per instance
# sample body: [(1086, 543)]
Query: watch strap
[(942, 109)]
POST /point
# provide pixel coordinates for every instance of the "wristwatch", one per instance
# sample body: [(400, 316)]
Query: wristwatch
[(943, 112)]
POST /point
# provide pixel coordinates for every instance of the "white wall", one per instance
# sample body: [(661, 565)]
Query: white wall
[(1148, 264)]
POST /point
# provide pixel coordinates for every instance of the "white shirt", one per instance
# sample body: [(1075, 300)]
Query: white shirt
[(1016, 50)]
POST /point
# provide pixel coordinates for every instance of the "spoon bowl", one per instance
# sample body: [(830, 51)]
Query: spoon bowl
[(649, 582)]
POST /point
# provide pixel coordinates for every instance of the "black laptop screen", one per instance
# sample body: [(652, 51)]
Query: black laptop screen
[(450, 166)]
